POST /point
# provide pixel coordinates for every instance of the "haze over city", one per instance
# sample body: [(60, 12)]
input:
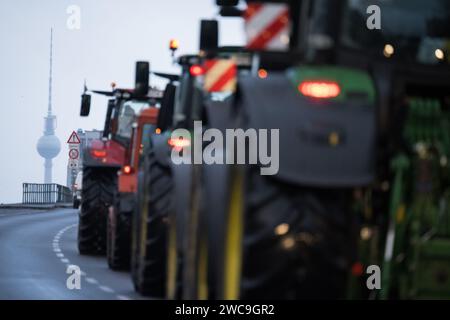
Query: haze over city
[(102, 51)]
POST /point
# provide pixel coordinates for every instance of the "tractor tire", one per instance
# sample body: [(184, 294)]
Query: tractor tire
[(296, 243), (135, 227), (149, 258), (192, 280), (174, 262), (97, 195), (118, 237), (76, 203)]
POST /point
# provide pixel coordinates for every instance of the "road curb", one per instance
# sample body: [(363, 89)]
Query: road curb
[(36, 206)]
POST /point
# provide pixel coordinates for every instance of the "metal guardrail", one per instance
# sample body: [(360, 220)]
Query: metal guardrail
[(45, 193)]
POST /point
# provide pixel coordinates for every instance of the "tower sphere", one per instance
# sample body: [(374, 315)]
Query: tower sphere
[(48, 146)]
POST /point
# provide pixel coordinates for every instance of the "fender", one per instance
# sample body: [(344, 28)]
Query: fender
[(216, 179), (127, 183), (322, 142), (127, 203), (219, 114), (162, 149)]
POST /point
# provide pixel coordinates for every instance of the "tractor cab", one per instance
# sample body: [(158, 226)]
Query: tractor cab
[(357, 54), (123, 110), (127, 110), (285, 32), (188, 94), (181, 94)]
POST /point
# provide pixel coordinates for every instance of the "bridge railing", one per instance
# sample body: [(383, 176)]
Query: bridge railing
[(45, 193)]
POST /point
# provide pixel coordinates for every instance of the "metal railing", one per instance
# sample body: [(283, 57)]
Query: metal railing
[(45, 193)]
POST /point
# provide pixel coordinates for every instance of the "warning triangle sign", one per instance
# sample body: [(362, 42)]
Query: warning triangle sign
[(73, 139)]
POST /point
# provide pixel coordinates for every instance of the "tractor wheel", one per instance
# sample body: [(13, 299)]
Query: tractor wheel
[(76, 203), (97, 194), (174, 262), (285, 242), (194, 274), (149, 257), (135, 227), (118, 237)]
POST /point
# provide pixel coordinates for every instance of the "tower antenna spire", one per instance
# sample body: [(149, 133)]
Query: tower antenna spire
[(50, 74)]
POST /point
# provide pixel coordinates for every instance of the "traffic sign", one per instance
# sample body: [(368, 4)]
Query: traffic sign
[(73, 154), (74, 139), (73, 163)]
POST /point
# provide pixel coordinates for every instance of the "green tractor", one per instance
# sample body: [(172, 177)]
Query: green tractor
[(160, 195), (416, 262), (162, 236), (362, 114)]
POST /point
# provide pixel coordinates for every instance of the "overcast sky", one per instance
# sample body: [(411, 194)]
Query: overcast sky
[(113, 35)]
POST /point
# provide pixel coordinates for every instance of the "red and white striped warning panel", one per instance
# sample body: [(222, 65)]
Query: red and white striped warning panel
[(267, 26), (220, 75)]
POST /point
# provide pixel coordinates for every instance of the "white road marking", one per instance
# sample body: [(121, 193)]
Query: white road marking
[(93, 281), (106, 289)]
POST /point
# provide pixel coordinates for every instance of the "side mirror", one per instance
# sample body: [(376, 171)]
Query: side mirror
[(227, 3), (168, 76), (165, 116), (141, 78), (209, 35), (109, 113), (85, 105), (230, 12)]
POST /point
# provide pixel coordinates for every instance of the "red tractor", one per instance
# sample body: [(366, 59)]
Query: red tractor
[(124, 202), (102, 159)]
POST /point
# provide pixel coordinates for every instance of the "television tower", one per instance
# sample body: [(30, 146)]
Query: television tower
[(49, 145)]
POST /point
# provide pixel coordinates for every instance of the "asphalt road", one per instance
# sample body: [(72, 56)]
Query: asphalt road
[(36, 248)]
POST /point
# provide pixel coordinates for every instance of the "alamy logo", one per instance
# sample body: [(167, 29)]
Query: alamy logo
[(74, 280), (236, 147), (374, 280), (74, 19), (374, 20)]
